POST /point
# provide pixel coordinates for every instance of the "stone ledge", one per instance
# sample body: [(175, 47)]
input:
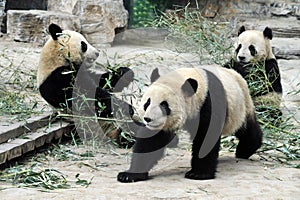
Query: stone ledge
[(286, 48), (17, 129), (17, 147), (285, 27)]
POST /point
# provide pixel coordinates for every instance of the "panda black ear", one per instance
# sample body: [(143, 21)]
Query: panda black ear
[(242, 29), (268, 33), (154, 75), (190, 86), (53, 30)]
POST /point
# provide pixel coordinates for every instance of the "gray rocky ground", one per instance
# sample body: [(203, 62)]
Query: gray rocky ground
[(236, 179)]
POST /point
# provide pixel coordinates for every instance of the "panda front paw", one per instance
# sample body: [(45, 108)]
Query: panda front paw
[(195, 175), (127, 177)]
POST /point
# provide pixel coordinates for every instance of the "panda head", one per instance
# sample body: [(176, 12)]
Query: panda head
[(63, 48), (163, 105), (72, 45), (253, 45)]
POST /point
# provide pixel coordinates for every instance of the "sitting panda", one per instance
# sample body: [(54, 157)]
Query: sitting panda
[(254, 60), (205, 102), (64, 55)]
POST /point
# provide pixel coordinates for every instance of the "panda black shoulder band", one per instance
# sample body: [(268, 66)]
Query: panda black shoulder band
[(218, 113)]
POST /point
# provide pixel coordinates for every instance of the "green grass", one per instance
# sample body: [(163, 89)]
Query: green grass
[(35, 176), (44, 179)]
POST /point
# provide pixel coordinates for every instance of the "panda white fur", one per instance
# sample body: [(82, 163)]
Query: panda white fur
[(63, 55), (253, 51), (184, 99)]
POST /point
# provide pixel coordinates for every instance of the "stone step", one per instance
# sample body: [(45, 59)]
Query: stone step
[(11, 131), (30, 141)]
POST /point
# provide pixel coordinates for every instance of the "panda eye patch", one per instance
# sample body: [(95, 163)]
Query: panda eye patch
[(147, 104), (165, 107), (83, 46), (238, 48), (252, 50)]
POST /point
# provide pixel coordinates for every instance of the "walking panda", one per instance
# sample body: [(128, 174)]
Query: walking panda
[(206, 103)]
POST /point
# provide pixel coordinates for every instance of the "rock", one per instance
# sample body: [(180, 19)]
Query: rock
[(142, 36), (2, 13), (63, 6), (286, 48), (20, 5), (288, 27), (290, 72), (100, 18), (210, 8), (29, 25), (285, 8), (245, 8), (281, 11), (96, 19), (2, 7)]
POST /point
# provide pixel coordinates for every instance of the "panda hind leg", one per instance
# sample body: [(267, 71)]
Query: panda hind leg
[(250, 138)]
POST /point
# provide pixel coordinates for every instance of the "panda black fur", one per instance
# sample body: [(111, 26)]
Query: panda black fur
[(63, 55), (183, 99), (253, 49)]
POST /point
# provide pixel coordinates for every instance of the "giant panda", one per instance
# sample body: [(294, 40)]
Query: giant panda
[(206, 102), (254, 60), (66, 53)]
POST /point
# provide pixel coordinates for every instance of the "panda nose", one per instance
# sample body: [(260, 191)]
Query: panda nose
[(147, 119), (97, 54), (242, 58)]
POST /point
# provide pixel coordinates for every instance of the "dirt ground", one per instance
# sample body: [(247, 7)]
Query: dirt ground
[(236, 179)]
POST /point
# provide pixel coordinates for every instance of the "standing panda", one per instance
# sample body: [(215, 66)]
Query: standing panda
[(205, 102), (63, 56), (254, 60)]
